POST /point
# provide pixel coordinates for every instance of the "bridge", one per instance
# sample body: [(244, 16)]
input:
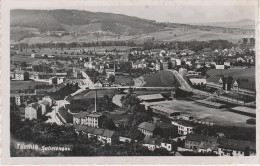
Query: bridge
[(131, 87)]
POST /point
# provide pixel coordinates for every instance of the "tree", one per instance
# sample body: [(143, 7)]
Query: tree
[(135, 134), (111, 78), (161, 152), (108, 123)]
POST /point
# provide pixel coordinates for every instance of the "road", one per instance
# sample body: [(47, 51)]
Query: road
[(53, 117), (185, 86)]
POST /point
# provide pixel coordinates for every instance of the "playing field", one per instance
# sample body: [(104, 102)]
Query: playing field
[(22, 85), (203, 113)]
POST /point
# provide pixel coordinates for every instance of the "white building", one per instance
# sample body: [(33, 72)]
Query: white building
[(183, 128)]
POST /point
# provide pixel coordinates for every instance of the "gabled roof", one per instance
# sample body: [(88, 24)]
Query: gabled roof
[(200, 138), (98, 131), (81, 128), (147, 126), (81, 114), (234, 144), (36, 105), (108, 133), (45, 102)]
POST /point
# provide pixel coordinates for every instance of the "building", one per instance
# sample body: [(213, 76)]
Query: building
[(107, 137), (151, 98), (49, 100), (155, 143), (184, 128), (166, 130), (22, 75), (33, 111), (231, 147), (44, 106), (18, 100), (88, 119), (201, 143), (147, 128), (164, 65), (103, 135)]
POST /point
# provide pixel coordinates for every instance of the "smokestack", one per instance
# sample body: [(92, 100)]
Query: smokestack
[(95, 102)]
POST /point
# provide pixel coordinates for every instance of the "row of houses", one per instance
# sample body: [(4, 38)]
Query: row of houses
[(220, 146), (102, 135)]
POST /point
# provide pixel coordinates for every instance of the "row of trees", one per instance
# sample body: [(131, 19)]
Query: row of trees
[(73, 44)]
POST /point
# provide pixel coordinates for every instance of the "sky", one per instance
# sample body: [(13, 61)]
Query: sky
[(182, 14)]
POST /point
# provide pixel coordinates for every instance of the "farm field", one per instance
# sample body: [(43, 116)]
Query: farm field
[(22, 85), (218, 116), (160, 79)]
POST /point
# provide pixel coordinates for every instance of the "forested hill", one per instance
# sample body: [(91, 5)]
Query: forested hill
[(61, 20), (32, 26)]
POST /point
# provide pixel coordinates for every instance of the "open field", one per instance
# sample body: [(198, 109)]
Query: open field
[(21, 58), (90, 94), (236, 73), (160, 79), (22, 85), (218, 116)]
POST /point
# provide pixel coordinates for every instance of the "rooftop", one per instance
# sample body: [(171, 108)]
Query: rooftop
[(147, 126)]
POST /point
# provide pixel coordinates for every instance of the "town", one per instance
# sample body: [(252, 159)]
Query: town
[(118, 98)]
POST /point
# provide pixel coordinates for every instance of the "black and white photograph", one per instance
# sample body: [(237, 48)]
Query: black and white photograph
[(133, 81)]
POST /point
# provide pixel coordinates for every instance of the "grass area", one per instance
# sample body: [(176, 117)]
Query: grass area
[(21, 58), (124, 80), (248, 73), (160, 79), (22, 85)]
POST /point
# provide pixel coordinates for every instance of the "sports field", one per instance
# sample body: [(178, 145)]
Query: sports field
[(218, 116)]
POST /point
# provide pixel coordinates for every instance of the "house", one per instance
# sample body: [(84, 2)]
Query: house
[(206, 147), (155, 143), (88, 119), (147, 128), (99, 83), (18, 99), (201, 143), (231, 147), (49, 100), (22, 75), (33, 111), (164, 66), (108, 136), (220, 67), (103, 135), (184, 127), (44, 106)]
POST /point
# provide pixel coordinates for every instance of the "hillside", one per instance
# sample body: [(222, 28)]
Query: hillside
[(34, 26), (243, 24)]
